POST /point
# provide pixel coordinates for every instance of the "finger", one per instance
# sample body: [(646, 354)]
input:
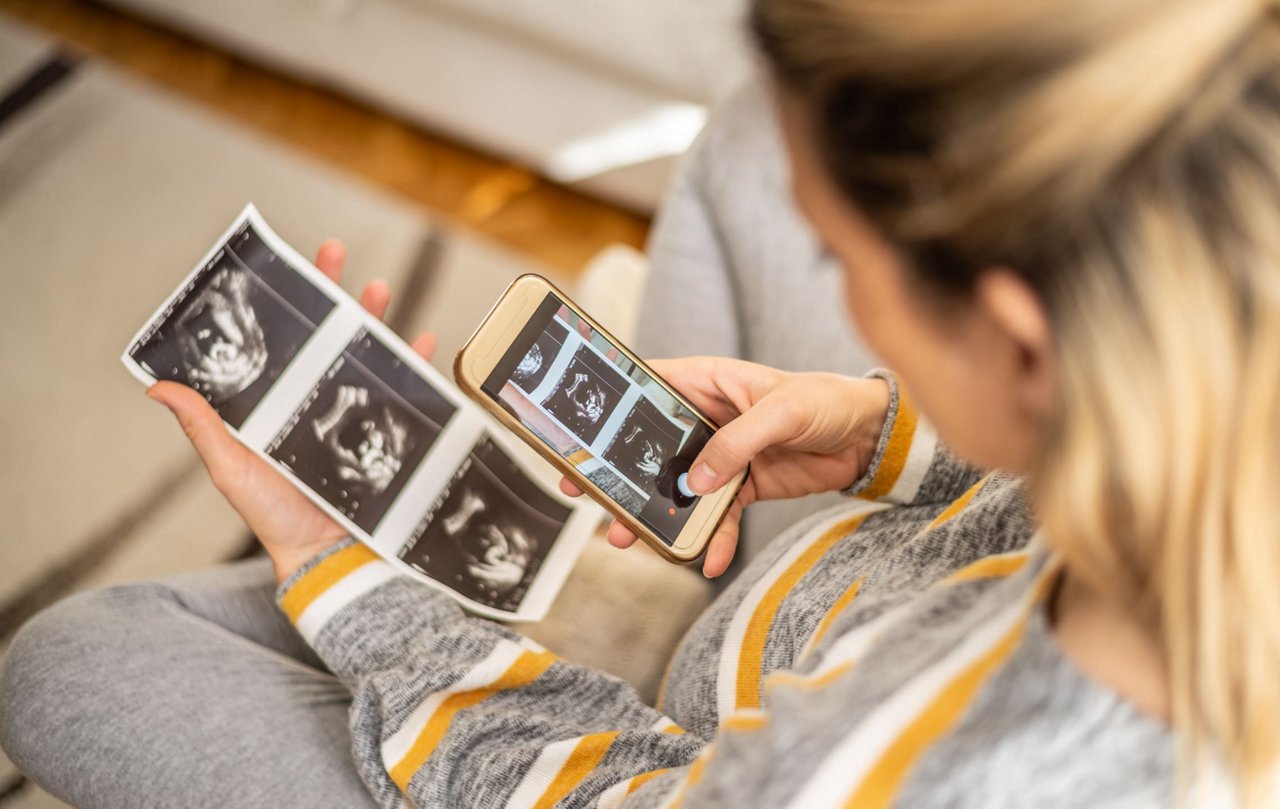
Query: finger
[(331, 257), (718, 386), (570, 488), (202, 425), (424, 345), (724, 543), (620, 536), (376, 298), (770, 422)]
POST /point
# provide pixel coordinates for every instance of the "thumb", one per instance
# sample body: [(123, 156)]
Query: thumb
[(201, 423), (735, 444)]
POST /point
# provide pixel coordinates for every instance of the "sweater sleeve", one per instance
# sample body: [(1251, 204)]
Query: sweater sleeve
[(451, 710), (911, 466)]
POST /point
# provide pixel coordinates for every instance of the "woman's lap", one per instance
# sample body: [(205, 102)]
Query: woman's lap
[(190, 691)]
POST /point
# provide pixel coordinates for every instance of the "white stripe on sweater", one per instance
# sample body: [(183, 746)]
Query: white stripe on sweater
[(919, 458), (613, 797), (663, 723), (852, 759), (484, 673), (544, 770), (731, 650), (553, 758), (345, 590)]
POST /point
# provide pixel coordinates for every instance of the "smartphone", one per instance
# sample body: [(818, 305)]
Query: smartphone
[(592, 408)]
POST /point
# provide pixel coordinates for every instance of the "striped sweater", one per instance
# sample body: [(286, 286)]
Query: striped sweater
[(891, 652)]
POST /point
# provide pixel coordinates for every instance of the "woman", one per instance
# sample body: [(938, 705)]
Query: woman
[(1058, 225)]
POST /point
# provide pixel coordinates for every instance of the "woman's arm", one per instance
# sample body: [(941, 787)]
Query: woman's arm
[(806, 433), (460, 711)]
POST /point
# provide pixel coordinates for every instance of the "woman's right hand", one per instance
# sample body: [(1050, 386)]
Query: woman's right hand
[(802, 433)]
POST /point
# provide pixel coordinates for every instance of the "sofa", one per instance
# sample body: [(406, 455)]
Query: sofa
[(597, 94)]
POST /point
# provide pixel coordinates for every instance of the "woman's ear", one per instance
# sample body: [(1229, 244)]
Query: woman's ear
[(1017, 315)]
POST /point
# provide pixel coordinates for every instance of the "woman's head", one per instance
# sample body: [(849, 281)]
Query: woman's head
[(1061, 224)]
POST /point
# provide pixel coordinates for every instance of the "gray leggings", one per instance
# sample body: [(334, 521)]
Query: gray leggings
[(191, 691)]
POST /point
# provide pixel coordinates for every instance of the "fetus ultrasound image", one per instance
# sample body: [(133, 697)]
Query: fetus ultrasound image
[(489, 532), (537, 360), (235, 327), (643, 444), (362, 431), (587, 394)]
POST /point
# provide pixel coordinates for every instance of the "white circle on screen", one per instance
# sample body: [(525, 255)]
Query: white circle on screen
[(682, 483)]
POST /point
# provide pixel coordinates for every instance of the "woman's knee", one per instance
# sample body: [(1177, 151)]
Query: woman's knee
[(49, 674)]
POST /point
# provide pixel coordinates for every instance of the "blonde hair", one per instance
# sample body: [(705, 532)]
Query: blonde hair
[(1124, 157)]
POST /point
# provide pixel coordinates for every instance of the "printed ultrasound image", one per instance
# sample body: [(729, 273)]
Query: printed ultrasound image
[(362, 431), (537, 360), (489, 532), (643, 444), (235, 328), (586, 395)]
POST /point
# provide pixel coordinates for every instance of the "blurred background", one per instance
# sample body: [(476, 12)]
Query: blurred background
[(452, 144)]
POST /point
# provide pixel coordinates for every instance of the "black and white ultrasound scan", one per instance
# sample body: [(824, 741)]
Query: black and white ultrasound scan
[(536, 363), (365, 427), (382, 442), (643, 444), (234, 328), (490, 531), (587, 394)]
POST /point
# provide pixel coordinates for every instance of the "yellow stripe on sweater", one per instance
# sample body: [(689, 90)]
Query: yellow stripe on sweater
[(745, 722), (842, 602), (331, 570), (527, 668), (880, 786), (644, 778), (894, 459), (847, 597), (695, 775), (751, 656), (585, 756), (808, 682), (990, 567), (958, 505), (882, 783)]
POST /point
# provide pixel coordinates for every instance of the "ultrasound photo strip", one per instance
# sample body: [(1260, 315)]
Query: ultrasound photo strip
[(365, 428)]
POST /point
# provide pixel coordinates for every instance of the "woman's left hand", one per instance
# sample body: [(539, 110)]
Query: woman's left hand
[(290, 526)]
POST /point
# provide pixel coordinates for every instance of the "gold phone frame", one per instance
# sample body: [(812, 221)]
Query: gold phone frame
[(490, 343)]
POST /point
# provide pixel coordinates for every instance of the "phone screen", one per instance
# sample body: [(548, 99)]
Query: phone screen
[(604, 414)]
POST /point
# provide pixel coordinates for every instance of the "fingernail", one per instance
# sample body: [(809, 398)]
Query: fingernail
[(702, 478)]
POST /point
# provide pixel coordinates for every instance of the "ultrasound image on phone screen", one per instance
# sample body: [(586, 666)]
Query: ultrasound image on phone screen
[(592, 405)]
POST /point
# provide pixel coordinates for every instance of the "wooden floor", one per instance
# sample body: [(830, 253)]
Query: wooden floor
[(506, 202)]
